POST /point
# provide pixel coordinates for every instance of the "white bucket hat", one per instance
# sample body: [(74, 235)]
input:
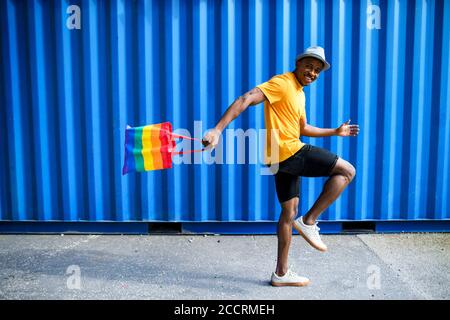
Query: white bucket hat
[(315, 52)]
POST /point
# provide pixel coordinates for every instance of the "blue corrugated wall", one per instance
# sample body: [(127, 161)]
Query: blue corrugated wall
[(66, 96)]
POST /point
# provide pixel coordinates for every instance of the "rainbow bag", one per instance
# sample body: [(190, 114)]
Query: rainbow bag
[(151, 147)]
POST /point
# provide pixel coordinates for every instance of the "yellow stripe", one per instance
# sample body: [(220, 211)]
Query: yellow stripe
[(147, 146)]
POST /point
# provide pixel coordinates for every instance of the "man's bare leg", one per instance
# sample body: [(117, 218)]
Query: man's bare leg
[(284, 233), (341, 175)]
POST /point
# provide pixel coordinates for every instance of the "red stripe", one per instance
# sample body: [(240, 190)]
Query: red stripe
[(166, 142)]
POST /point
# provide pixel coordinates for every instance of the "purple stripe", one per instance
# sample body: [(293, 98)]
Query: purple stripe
[(129, 165)]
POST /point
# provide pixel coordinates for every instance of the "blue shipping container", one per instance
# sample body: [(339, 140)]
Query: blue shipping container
[(75, 73)]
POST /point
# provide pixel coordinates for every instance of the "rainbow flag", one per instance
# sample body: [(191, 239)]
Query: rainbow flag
[(148, 147)]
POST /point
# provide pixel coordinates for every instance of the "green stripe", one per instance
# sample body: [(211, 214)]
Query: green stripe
[(137, 150)]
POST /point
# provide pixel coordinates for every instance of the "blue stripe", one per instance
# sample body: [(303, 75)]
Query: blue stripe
[(435, 112), (122, 203), (19, 201), (407, 116), (444, 123), (129, 146)]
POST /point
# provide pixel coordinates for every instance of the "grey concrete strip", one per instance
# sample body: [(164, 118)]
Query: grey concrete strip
[(192, 267), (420, 260)]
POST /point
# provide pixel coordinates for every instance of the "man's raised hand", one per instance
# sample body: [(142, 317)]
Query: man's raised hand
[(348, 130)]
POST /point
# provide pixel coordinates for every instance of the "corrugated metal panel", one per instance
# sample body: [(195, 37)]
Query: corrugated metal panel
[(67, 95)]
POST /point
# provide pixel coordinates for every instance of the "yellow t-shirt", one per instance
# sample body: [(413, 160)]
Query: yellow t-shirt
[(282, 112)]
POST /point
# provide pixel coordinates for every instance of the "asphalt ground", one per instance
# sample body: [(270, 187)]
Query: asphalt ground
[(191, 267)]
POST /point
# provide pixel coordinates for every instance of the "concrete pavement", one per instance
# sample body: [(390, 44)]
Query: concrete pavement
[(365, 266)]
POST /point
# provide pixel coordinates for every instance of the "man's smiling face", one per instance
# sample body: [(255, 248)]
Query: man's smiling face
[(307, 70)]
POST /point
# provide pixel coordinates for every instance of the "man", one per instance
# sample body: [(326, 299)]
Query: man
[(284, 113)]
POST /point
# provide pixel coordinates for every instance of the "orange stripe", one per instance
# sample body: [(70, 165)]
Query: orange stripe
[(156, 148)]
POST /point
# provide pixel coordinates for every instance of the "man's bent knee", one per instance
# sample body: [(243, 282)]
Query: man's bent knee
[(351, 172), (344, 168)]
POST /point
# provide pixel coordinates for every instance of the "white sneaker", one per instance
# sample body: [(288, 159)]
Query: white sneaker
[(290, 278), (310, 234)]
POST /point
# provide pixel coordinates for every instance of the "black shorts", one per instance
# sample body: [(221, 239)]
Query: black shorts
[(309, 161)]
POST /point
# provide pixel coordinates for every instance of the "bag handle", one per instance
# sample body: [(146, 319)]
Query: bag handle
[(189, 138)]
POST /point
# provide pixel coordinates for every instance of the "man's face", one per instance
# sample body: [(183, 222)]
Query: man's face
[(308, 70)]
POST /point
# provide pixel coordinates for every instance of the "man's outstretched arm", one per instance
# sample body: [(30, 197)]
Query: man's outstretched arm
[(344, 130), (252, 97)]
